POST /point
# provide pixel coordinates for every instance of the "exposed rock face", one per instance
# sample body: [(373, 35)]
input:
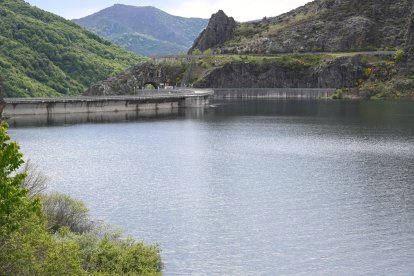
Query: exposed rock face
[(220, 28), (136, 78), (409, 42), (337, 73), (1, 88), (332, 73), (326, 25), (406, 66)]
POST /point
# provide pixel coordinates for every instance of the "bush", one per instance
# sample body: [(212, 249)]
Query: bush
[(63, 211), (196, 52), (208, 52), (117, 257), (15, 206), (35, 181), (338, 95), (399, 55)]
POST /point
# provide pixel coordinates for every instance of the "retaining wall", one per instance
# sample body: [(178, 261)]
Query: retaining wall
[(280, 93)]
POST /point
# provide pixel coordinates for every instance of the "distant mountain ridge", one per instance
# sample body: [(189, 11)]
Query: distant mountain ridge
[(42, 54), (144, 30)]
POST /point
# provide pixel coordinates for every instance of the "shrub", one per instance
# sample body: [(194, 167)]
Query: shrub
[(208, 52), (15, 206), (196, 52), (110, 254), (399, 55), (63, 211), (35, 181), (338, 95)]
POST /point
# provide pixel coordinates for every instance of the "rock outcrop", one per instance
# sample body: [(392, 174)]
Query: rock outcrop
[(220, 28), (409, 40), (267, 73), (326, 25), (336, 73), (136, 78)]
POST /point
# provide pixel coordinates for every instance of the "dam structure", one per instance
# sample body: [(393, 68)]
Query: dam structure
[(141, 101), (272, 93), (151, 100)]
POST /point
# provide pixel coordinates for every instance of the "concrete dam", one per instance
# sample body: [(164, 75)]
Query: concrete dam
[(142, 101), (146, 100)]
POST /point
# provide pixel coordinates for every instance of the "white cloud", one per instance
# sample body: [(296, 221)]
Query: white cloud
[(241, 10)]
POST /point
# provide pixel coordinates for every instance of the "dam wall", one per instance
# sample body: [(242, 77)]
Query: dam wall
[(273, 93), (155, 101)]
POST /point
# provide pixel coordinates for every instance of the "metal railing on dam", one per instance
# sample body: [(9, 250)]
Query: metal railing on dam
[(279, 93), (142, 100)]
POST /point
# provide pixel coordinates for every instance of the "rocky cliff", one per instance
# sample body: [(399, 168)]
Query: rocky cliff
[(332, 73), (220, 28), (409, 40), (296, 71), (137, 77), (324, 25)]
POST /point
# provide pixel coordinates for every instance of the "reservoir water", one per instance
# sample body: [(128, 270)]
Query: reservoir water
[(252, 187)]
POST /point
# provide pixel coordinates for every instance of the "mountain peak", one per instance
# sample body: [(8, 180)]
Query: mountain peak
[(134, 7), (145, 30)]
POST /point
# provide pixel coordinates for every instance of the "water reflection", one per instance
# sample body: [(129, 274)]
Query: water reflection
[(92, 118), (247, 187), (365, 112)]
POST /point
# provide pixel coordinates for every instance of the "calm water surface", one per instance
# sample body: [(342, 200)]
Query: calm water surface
[(246, 187)]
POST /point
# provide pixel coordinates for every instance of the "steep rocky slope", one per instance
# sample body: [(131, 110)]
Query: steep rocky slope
[(330, 73), (357, 75), (324, 25), (220, 28), (144, 30), (288, 71)]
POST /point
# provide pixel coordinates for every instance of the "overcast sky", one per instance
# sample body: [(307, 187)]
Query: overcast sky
[(241, 10)]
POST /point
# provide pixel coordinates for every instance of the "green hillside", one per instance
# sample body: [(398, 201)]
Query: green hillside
[(42, 54), (144, 30), (147, 45)]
